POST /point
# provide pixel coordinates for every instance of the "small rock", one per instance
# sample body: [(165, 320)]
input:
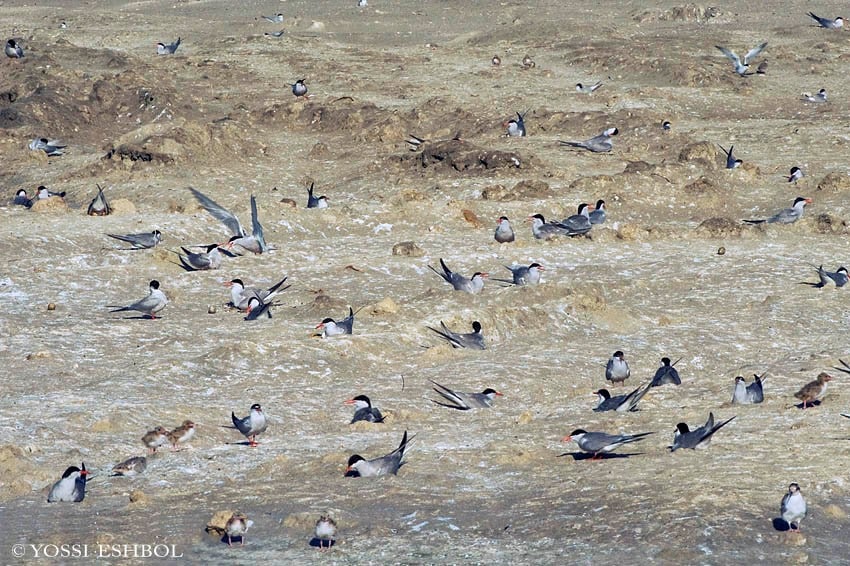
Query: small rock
[(212, 309), (103, 425), (721, 251), (835, 182), (835, 511), (52, 205), (720, 226), (471, 217), (51, 306), (121, 206), (525, 418), (702, 152), (319, 150), (408, 249), (385, 306), (289, 202), (792, 538), (39, 355), (138, 496)]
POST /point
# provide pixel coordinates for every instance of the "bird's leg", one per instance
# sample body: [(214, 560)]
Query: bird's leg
[(229, 542), (596, 456)]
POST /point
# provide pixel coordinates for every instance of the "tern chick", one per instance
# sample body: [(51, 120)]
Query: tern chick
[(813, 390), (131, 466), (325, 531), (236, 527), (155, 438)]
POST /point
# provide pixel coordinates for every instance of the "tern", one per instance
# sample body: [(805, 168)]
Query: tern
[(596, 144), (700, 437), (600, 443), (384, 465), (150, 305), (742, 66), (787, 215), (163, 49), (472, 340), (252, 425), (472, 284), (466, 401), (140, 241), (255, 242), (72, 487)]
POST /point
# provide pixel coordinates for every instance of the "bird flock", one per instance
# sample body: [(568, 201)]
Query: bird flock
[(257, 303)]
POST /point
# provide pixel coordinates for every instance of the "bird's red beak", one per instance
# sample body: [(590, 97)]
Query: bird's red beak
[(566, 439), (320, 325), (349, 402)]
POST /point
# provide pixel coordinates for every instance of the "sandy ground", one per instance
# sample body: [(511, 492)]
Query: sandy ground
[(495, 485)]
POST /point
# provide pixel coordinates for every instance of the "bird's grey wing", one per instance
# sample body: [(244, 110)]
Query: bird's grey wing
[(391, 463), (145, 304), (442, 275), (256, 227), (731, 55), (845, 369), (138, 240), (596, 441), (447, 335), (195, 261), (754, 52), (220, 213), (573, 143), (243, 425), (633, 398), (450, 395)]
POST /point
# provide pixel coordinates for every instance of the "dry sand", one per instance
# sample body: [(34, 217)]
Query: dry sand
[(490, 486)]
